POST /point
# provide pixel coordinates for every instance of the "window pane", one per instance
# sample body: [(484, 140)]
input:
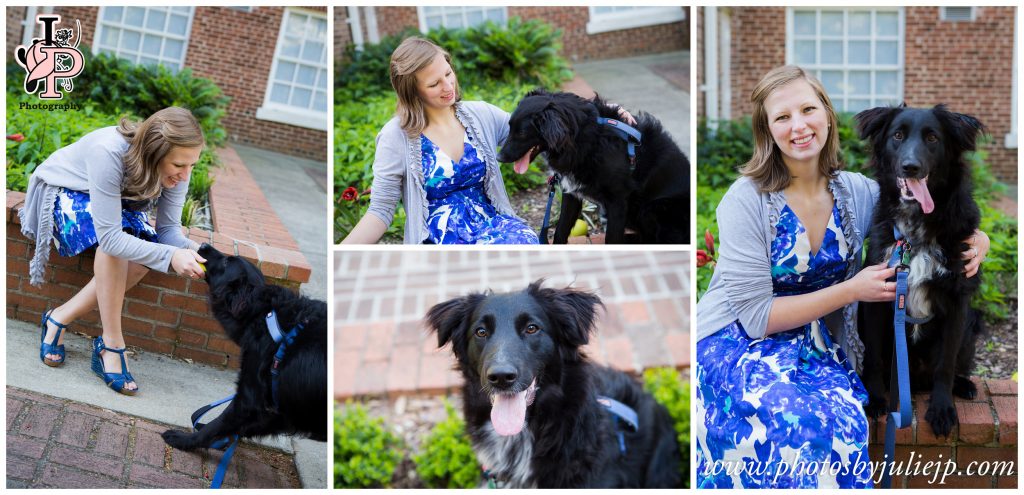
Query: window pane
[(110, 37), (859, 82), (453, 20), (130, 41), (320, 101), (474, 17), (859, 24), (805, 52), (178, 25), (307, 75), (291, 47), (832, 52), (321, 81), (301, 97), (133, 16), (832, 23), (804, 23), (285, 71), (433, 22), (172, 66), (885, 83), (156, 20), (151, 45), (319, 29), (886, 53), (886, 24), (296, 24), (173, 48), (833, 82), (312, 50), (854, 105), (860, 52), (279, 94), (148, 61), (113, 14)]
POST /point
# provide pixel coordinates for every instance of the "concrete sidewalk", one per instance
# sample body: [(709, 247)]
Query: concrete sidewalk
[(657, 84), (296, 189), (170, 389)]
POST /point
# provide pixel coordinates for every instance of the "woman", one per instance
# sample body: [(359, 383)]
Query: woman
[(779, 402), (96, 192), (438, 156)]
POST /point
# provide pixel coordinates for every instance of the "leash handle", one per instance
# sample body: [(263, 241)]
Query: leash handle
[(899, 381)]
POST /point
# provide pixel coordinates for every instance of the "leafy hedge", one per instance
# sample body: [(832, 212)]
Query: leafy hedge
[(447, 459), (496, 64), (670, 389), (365, 451), (721, 152)]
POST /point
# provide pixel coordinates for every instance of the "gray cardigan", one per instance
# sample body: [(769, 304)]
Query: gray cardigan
[(93, 164), (741, 287), (399, 157)]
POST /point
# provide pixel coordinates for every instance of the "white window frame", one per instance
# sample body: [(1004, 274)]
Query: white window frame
[(631, 19), (1010, 140), (421, 16), (101, 24), (286, 114), (816, 69)]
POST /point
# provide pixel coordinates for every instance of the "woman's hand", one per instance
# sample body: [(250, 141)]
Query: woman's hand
[(870, 285), (624, 115), (186, 262), (977, 247)]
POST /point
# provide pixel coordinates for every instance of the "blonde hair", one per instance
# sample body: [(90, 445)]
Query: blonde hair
[(148, 144), (766, 167), (411, 56)]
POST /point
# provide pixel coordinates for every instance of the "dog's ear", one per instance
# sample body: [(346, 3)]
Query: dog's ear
[(573, 310), (537, 92), (964, 129), (243, 296), (448, 319), (554, 130), (871, 123)]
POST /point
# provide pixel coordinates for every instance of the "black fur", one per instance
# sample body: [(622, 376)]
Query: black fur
[(240, 300), (652, 198), (916, 143), (569, 439)]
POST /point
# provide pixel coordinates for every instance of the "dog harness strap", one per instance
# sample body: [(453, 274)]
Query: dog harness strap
[(222, 467), (273, 326), (199, 413), (552, 184), (899, 404), (622, 414), (278, 357), (631, 136)]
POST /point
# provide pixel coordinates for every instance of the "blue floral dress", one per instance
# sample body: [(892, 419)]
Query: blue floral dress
[(73, 229), (784, 411), (458, 210)]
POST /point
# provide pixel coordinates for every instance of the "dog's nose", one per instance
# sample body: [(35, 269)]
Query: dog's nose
[(501, 376), (910, 169)]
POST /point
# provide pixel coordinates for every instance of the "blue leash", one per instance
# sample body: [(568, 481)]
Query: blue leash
[(228, 444), (552, 184), (632, 136), (899, 382)]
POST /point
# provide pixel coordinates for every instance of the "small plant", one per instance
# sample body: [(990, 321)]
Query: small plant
[(365, 452), (447, 459), (670, 390)]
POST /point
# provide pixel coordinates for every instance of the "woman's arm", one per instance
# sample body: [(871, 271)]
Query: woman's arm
[(388, 179), (868, 285), (168, 217), (369, 230)]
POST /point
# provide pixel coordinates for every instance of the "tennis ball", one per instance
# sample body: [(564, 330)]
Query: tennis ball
[(579, 229)]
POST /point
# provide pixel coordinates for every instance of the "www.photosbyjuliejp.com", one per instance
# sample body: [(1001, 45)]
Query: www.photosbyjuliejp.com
[(935, 471)]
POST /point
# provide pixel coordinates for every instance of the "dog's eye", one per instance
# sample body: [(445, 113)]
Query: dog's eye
[(932, 138), (480, 332), (898, 136), (532, 329)]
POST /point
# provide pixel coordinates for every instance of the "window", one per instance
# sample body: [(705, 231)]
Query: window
[(297, 86), (957, 14), (856, 54), (459, 17), (604, 19), (145, 35)]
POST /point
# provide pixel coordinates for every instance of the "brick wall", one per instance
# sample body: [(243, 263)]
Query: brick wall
[(968, 66), (987, 432), (235, 49), (342, 32), (699, 57), (166, 313), (393, 20), (15, 16), (381, 346)]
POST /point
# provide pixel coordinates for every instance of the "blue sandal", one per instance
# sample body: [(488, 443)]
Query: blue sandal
[(116, 381), (52, 348)]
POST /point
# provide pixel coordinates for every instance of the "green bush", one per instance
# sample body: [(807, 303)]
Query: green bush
[(447, 459), (365, 452), (670, 390), (723, 150)]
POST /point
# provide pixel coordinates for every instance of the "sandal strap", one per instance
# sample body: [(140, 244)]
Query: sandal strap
[(60, 326)]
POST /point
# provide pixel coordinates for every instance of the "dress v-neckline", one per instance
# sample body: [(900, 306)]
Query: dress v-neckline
[(807, 235), (445, 153)]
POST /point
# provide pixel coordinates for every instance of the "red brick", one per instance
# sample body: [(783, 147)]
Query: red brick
[(619, 351), (634, 313), (167, 281), (150, 312), (1006, 482), (1006, 412), (346, 363), (40, 421), (678, 344), (378, 344), (976, 423), (143, 293), (273, 269), (112, 438), (190, 304), (160, 478), (205, 324), (87, 461), (968, 454), (371, 378), (925, 435), (350, 337), (402, 360), (57, 476), (200, 356), (192, 339), (223, 344), (433, 376), (26, 446), (937, 480), (1002, 387)]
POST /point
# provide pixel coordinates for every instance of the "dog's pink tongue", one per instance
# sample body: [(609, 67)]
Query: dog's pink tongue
[(508, 413), (920, 190), (522, 164)]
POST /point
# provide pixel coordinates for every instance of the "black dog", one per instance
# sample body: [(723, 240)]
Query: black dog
[(651, 197), (240, 300), (925, 192), (531, 397)]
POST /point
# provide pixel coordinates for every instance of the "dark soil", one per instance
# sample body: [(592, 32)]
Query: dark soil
[(997, 350)]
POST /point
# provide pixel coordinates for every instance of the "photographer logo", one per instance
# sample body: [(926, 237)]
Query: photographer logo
[(50, 59)]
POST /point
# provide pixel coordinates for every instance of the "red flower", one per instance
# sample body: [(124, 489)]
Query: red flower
[(703, 258), (19, 137), (709, 241), (350, 194)]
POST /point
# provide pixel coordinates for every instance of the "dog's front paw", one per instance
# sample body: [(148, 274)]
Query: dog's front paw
[(941, 415), (179, 439), (964, 388)]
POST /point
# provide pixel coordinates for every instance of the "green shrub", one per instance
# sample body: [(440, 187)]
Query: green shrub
[(365, 452), (670, 390), (723, 150), (447, 459)]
